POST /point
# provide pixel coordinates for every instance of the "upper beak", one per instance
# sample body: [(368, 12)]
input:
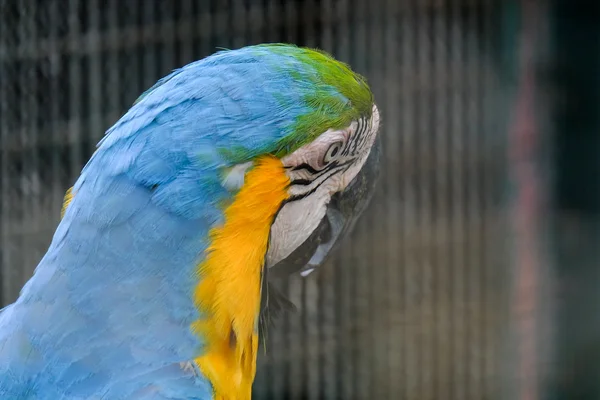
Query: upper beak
[(343, 211)]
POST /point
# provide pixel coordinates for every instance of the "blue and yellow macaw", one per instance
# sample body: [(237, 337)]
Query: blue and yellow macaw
[(154, 282)]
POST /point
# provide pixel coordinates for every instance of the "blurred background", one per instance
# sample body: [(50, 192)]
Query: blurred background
[(474, 273)]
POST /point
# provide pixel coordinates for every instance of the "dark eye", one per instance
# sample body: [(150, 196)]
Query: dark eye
[(332, 152)]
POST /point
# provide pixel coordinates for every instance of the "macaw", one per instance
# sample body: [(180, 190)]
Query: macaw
[(154, 283)]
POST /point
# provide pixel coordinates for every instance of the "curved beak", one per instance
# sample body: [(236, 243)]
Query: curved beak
[(342, 213)]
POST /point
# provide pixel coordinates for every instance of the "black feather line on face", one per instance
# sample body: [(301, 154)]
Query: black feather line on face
[(362, 138), (350, 146), (306, 182), (305, 166), (359, 134), (341, 168), (333, 167)]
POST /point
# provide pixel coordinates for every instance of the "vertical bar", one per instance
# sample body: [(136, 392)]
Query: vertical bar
[(255, 24), (205, 29), (372, 230), (187, 42), (311, 367), (495, 230), (346, 360), (5, 224), (309, 17), (113, 89), (166, 47), (31, 225), (391, 104), (272, 17), (442, 82), (126, 16), (362, 294), (24, 40), (311, 331), (279, 374), (96, 119), (409, 126), (472, 214), (290, 14), (74, 90), (528, 210), (310, 339), (460, 345), (293, 362), (329, 290), (482, 261), (239, 27), (224, 25), (327, 14), (423, 163), (150, 73), (56, 148)]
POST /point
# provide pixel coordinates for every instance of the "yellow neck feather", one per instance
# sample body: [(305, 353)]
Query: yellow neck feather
[(68, 198), (228, 294)]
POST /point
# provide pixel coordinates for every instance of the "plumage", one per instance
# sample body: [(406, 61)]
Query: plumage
[(111, 312)]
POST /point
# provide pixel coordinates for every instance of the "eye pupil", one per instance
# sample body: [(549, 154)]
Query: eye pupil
[(335, 150), (332, 151)]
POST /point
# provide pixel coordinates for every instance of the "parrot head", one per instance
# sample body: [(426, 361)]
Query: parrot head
[(248, 161), (331, 182)]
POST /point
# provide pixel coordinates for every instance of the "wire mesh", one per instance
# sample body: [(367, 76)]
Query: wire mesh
[(415, 304)]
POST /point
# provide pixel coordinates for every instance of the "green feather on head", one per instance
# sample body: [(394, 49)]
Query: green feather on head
[(340, 96)]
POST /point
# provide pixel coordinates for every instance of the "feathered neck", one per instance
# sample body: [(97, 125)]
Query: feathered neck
[(184, 293)]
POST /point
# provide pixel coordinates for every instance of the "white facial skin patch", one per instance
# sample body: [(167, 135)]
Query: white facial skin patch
[(318, 170)]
